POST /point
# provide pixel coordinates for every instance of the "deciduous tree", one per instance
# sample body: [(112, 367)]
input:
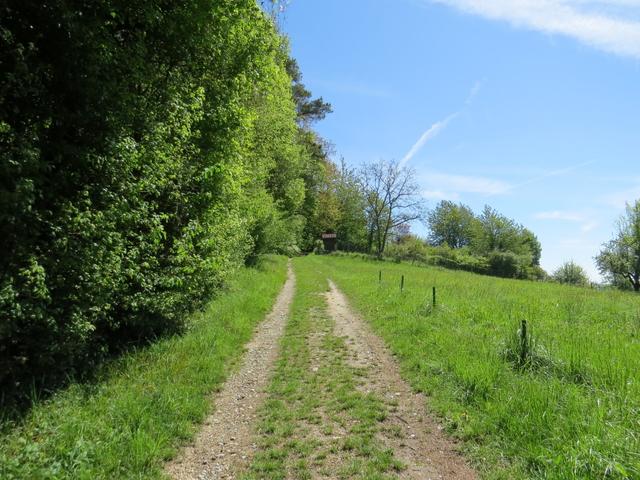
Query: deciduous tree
[(391, 195), (619, 259), (571, 273), (451, 224)]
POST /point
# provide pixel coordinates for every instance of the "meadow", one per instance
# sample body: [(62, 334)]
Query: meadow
[(568, 407)]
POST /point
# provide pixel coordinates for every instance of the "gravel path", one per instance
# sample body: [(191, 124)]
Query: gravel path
[(418, 440), (226, 443)]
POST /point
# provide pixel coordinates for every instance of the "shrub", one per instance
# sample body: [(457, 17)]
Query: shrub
[(571, 273)]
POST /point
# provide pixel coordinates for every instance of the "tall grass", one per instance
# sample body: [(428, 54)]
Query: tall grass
[(569, 408), (125, 424)]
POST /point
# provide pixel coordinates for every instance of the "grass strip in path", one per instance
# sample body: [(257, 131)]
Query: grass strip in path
[(320, 419), (146, 404)]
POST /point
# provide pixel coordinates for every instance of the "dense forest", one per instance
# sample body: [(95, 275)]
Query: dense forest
[(147, 150)]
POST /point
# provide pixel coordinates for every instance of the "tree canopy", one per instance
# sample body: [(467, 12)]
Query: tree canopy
[(619, 259)]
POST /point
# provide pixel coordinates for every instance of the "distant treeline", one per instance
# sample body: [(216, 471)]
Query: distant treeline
[(488, 243), (147, 149)]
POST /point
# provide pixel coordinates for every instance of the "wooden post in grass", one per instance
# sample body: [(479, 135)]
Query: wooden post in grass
[(401, 283), (380, 276), (524, 347), (433, 301)]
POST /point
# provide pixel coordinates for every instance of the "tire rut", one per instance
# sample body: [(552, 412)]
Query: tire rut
[(226, 443), (415, 436)]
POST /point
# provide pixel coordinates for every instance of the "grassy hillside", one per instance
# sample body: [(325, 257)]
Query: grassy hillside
[(125, 424), (570, 410)]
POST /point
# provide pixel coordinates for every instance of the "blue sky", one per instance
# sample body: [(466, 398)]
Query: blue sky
[(530, 106)]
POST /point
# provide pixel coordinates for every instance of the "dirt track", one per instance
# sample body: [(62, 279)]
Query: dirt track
[(226, 442), (418, 441)]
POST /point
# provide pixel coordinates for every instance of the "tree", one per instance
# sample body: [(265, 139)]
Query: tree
[(392, 199), (531, 244), (619, 259), (450, 224), (571, 273), (495, 232), (352, 222), (309, 110)]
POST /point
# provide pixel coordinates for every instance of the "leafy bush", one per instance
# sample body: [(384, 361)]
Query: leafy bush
[(509, 264), (572, 274)]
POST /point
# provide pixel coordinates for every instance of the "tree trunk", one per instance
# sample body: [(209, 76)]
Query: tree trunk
[(370, 239)]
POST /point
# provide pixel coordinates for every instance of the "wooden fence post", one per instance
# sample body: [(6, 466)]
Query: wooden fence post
[(524, 343)]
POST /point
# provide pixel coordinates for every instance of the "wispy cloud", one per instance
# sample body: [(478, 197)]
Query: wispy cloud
[(440, 125), (430, 133), (609, 25), (560, 215), (587, 224), (453, 185), (440, 195), (474, 92), (553, 173), (446, 186), (620, 199)]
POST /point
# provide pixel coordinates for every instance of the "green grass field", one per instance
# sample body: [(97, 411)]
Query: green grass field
[(143, 406), (571, 411), (570, 408)]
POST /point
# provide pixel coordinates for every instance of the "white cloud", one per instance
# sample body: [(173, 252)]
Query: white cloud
[(430, 133), (586, 221), (474, 92), (620, 199), (437, 127), (464, 184), (560, 215), (609, 25), (589, 226), (553, 173), (440, 195)]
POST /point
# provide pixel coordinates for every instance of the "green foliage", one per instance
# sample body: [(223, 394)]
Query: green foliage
[(619, 259), (451, 224), (147, 150), (496, 263), (489, 243), (572, 274), (508, 264)]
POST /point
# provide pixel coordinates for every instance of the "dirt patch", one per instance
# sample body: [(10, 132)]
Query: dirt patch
[(225, 444), (414, 436)]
